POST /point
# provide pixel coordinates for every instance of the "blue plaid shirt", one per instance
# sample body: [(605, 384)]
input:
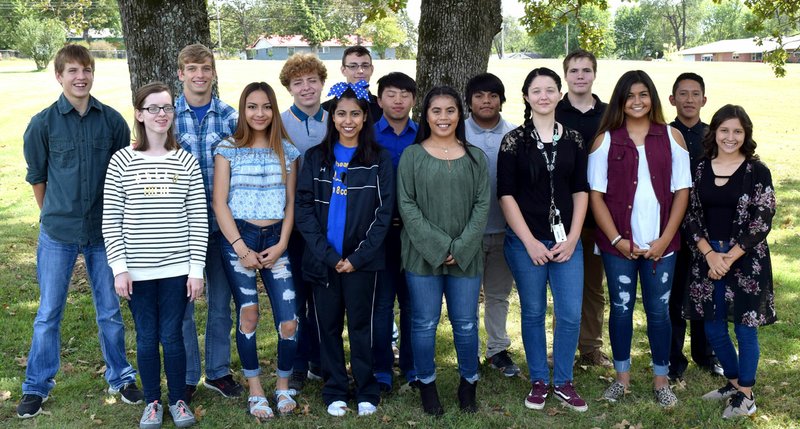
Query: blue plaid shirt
[(201, 139)]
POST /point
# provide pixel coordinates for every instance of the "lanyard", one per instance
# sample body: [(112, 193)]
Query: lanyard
[(555, 215)]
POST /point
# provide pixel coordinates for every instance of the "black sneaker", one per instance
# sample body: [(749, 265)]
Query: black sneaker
[(298, 380), (129, 393), (314, 373), (30, 406), (225, 386), (189, 393), (504, 363)]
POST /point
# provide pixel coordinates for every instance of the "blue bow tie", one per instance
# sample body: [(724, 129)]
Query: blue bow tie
[(359, 88)]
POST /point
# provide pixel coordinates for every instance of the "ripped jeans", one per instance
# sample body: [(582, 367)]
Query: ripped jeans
[(656, 280), (280, 289)]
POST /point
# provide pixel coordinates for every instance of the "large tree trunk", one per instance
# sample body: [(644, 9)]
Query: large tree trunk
[(455, 41), (155, 31)]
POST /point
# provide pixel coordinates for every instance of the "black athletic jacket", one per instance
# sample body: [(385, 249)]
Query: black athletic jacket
[(370, 201)]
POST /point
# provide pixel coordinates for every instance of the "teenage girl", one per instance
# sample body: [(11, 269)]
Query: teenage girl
[(254, 184), (155, 228), (639, 177)]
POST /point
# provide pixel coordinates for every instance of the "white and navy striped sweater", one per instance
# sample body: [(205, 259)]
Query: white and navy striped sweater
[(155, 222)]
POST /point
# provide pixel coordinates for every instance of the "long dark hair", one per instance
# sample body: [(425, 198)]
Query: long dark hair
[(424, 131), (276, 133), (367, 149), (730, 111), (139, 134), (615, 113), (541, 71)]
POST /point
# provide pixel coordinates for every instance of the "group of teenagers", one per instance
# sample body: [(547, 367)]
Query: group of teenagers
[(344, 206)]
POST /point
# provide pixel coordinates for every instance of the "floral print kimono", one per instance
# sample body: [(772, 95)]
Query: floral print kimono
[(749, 293)]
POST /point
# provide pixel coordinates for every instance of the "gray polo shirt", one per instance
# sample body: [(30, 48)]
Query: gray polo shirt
[(305, 131), (489, 141)]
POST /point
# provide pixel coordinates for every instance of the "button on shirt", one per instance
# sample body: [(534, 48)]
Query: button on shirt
[(693, 137), (394, 143), (304, 131), (202, 138), (489, 141), (70, 153)]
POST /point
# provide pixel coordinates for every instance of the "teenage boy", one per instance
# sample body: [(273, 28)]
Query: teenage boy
[(394, 131), (67, 147), (688, 97), (485, 128), (357, 66), (303, 75), (201, 122), (582, 110)]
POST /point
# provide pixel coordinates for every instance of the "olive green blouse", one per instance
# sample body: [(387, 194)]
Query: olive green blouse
[(444, 206)]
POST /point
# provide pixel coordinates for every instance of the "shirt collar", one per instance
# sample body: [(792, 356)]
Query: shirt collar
[(477, 129), (181, 105), (565, 100), (64, 106), (301, 115), (383, 124), (698, 128)]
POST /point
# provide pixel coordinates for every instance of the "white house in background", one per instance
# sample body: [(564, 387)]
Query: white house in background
[(741, 50), (282, 47)]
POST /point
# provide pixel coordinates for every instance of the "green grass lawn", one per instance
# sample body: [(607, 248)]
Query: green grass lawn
[(79, 400)]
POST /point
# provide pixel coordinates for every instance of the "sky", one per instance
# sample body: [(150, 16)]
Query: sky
[(510, 7)]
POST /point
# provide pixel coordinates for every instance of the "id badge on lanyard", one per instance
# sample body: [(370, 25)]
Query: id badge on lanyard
[(557, 227)]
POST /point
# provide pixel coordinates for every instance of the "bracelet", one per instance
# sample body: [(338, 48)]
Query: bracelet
[(709, 251), (234, 241), (246, 254), (616, 240)]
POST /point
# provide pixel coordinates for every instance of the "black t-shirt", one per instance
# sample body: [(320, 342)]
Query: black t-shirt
[(522, 173), (720, 202), (585, 123), (693, 137)]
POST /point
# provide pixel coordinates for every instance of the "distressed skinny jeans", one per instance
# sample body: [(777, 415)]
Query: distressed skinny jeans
[(656, 279), (279, 284)]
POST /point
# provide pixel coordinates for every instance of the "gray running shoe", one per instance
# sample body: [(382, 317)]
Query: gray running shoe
[(152, 417), (740, 406), (181, 414), (723, 392)]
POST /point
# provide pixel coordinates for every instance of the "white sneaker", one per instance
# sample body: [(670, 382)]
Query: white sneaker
[(152, 416), (338, 408), (366, 409)]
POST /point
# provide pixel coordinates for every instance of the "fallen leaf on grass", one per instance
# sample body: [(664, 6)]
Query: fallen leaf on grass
[(386, 419), (584, 367), (771, 362), (784, 383), (5, 395), (621, 425), (306, 410), (680, 384), (764, 417), (768, 389), (84, 407), (68, 368), (553, 411), (101, 370), (600, 417), (22, 361), (199, 412), (411, 423), (110, 400), (608, 379), (46, 413)]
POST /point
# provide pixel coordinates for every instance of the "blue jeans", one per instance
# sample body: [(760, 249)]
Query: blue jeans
[(426, 294), (745, 364), (280, 289), (391, 283), (566, 285), (656, 278), (218, 323), (158, 307), (307, 334), (54, 264)]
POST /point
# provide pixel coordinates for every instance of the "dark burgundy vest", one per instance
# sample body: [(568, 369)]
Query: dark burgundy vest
[(623, 167)]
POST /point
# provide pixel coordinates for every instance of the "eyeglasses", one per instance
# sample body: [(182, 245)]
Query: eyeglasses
[(353, 67), (153, 109)]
